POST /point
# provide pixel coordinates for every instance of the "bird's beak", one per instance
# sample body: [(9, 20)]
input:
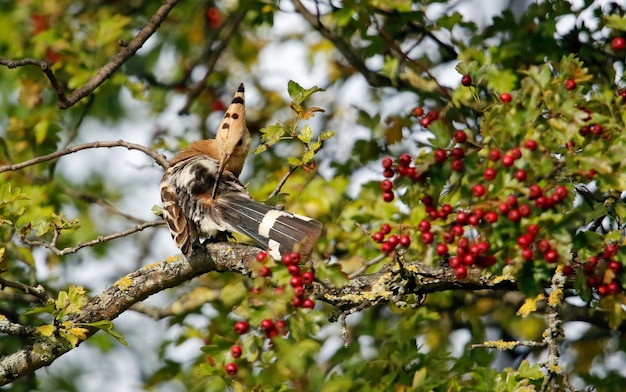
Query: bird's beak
[(220, 170)]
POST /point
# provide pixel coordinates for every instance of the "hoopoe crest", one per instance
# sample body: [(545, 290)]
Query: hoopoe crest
[(202, 195)]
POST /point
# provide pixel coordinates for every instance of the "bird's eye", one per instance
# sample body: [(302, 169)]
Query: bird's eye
[(240, 142)]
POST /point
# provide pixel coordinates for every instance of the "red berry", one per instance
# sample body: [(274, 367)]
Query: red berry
[(236, 351), (299, 291), (561, 192), (460, 272), (460, 136), (455, 262), (593, 281), (520, 175), (505, 97), (417, 111), (551, 256), (405, 160), (307, 278), (432, 115), (264, 272), (615, 266), (405, 241), (570, 84), (427, 238), (514, 215), (458, 165), (508, 161), (478, 190), (261, 256), (385, 228), (494, 155), (533, 229), (440, 155), (388, 173), (489, 174), (527, 254), (568, 270), (378, 237), (386, 185), (466, 80), (457, 230), (596, 129), (530, 145), (393, 240), (457, 153), (425, 122), (388, 197), (293, 269), (618, 43), (308, 303), (491, 217), (524, 210), (441, 249), (295, 281), (296, 302), (387, 163), (386, 247), (543, 246), (424, 225), (534, 192), (241, 327), (281, 326), (524, 240), (231, 369), (461, 217), (603, 290), (504, 208), (266, 324), (613, 287)]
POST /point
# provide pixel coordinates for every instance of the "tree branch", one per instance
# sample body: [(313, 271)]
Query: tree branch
[(373, 78), (132, 288), (45, 67), (108, 69), (158, 158), (99, 240)]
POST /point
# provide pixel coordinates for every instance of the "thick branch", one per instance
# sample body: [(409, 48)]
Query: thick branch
[(158, 158), (122, 56), (129, 290)]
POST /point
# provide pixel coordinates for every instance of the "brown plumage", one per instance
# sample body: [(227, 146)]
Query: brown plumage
[(202, 195)]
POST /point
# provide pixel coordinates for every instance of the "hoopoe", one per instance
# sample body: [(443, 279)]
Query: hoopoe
[(202, 195)]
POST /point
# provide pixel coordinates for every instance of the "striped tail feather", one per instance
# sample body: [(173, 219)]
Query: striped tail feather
[(279, 232)]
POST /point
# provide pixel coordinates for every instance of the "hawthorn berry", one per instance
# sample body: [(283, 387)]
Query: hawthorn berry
[(457, 230), (441, 249), (524, 240), (530, 145), (231, 369), (551, 256), (266, 324), (293, 269), (440, 155), (494, 155), (417, 111), (241, 327), (458, 165), (514, 216), (387, 163), (618, 43), (489, 174), (527, 254), (569, 84), (460, 136), (378, 237), (425, 122), (534, 192), (405, 160), (460, 272), (405, 241), (388, 197), (427, 238), (386, 247), (236, 351), (423, 226), (491, 217), (520, 175), (524, 210), (393, 240), (466, 80), (506, 97), (388, 173), (385, 228), (295, 281), (432, 115), (261, 256), (478, 190), (308, 303), (264, 272), (508, 160), (457, 153), (386, 185), (299, 291)]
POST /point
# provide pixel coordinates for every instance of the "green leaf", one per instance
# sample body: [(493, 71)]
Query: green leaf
[(299, 94), (107, 326)]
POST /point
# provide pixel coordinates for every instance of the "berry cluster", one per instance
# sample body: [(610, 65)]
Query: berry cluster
[(271, 328), (602, 271), (401, 168), (426, 120), (392, 242)]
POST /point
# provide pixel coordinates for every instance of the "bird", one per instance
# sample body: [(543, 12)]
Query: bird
[(203, 198)]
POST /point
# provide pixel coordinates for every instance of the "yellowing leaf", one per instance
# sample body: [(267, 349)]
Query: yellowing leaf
[(529, 306), (46, 330)]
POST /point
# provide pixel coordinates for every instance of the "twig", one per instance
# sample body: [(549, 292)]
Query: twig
[(38, 291), (502, 345), (158, 158), (91, 199), (373, 78), (229, 29), (365, 266), (45, 67), (10, 328), (554, 331), (283, 181), (99, 240)]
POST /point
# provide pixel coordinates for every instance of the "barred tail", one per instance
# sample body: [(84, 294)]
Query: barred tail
[(175, 219), (279, 232)]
